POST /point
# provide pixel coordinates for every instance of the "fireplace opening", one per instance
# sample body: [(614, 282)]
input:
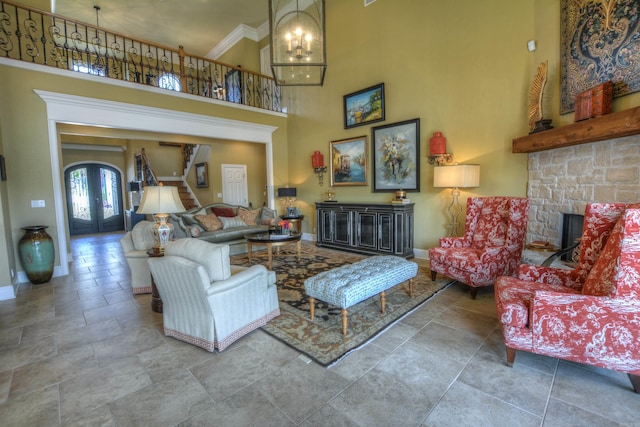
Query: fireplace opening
[(571, 233)]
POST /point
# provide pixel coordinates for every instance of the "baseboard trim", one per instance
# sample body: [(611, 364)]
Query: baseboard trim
[(7, 292)]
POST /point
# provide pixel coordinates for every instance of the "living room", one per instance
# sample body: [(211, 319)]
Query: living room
[(461, 67), (474, 92)]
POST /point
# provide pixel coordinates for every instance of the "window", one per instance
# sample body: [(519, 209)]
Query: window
[(169, 81)]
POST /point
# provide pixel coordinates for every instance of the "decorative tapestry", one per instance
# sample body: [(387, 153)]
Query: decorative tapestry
[(600, 41)]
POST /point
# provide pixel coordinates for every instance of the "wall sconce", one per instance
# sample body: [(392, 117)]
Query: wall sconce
[(287, 196), (438, 150), (454, 177), (317, 161)]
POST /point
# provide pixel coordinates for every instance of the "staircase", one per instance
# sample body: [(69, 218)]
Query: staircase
[(185, 196)]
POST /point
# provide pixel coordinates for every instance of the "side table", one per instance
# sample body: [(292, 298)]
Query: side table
[(295, 221), (156, 301)]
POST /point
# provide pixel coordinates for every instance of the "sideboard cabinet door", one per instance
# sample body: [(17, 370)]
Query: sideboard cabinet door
[(366, 228)]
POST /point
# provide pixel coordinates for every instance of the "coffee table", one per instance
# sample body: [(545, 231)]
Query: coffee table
[(271, 241)]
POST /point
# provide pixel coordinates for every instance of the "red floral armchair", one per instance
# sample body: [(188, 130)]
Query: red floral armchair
[(588, 315), (495, 229)]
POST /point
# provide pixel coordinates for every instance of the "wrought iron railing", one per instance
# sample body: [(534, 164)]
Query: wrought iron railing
[(32, 35)]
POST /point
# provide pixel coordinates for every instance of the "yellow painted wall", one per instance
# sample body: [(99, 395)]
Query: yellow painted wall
[(460, 66), (244, 53), (252, 155)]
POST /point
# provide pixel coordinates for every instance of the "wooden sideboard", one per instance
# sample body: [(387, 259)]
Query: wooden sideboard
[(372, 229)]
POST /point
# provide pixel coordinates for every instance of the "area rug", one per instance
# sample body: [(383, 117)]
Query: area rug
[(322, 339)]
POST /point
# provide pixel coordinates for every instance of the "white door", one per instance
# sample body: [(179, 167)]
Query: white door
[(234, 185)]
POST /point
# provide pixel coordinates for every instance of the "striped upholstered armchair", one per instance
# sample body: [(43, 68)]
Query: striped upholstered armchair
[(206, 301), (492, 244), (590, 315)]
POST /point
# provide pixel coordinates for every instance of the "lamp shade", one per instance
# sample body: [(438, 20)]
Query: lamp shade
[(160, 199), (286, 192), (297, 35), (457, 176)]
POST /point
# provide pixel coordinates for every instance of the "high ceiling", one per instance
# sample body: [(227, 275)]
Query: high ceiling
[(198, 25)]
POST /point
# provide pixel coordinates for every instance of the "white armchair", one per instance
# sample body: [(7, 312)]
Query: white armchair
[(135, 245), (206, 301)]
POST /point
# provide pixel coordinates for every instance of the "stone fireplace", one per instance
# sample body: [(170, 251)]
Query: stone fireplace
[(564, 180)]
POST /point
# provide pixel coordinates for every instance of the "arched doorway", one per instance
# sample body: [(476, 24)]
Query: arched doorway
[(94, 202)]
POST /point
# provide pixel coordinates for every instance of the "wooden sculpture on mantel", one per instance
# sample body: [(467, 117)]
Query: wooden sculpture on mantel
[(536, 121)]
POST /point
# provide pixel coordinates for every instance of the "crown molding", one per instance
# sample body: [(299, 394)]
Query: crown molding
[(240, 32)]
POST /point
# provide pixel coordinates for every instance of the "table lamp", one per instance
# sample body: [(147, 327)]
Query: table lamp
[(455, 177), (160, 201)]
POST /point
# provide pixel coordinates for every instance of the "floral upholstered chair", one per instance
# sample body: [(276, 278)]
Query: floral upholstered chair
[(593, 318), (492, 244)]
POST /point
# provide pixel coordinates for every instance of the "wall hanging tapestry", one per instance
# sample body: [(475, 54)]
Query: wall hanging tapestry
[(600, 41)]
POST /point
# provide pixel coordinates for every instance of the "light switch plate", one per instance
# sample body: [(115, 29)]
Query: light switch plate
[(37, 203)]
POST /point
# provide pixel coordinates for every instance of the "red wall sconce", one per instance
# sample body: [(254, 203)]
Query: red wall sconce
[(317, 162)]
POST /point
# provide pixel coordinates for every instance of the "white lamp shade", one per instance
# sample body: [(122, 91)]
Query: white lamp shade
[(457, 176), (160, 199)]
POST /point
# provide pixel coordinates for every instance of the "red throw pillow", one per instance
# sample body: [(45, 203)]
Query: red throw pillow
[(224, 212)]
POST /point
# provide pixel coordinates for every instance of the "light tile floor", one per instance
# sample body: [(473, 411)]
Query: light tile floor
[(82, 350)]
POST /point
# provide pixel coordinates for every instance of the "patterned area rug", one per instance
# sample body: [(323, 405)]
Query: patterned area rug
[(322, 339)]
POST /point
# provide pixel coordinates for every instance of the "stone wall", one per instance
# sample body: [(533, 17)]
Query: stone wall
[(564, 180)]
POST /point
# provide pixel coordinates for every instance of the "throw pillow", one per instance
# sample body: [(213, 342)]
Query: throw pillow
[(272, 222), (209, 222), (234, 222), (189, 218), (223, 212), (196, 230), (249, 217), (601, 277)]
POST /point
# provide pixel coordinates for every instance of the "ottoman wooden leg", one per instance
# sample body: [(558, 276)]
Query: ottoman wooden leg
[(344, 321), (433, 275), (383, 301), (312, 306)]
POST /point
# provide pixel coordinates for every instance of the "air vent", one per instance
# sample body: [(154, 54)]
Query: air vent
[(368, 2)]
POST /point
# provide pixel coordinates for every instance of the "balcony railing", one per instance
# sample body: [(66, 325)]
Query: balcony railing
[(35, 36)]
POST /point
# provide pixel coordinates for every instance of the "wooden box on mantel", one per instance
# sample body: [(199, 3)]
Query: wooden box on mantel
[(594, 102)]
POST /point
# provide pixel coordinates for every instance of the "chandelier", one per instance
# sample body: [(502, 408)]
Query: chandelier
[(297, 36)]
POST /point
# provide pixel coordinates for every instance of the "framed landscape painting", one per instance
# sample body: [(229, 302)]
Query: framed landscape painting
[(396, 156), (364, 107), (349, 162)]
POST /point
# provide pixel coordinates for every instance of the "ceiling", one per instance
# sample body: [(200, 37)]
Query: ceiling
[(198, 25)]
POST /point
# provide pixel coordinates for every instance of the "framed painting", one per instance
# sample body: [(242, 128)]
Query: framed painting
[(364, 106), (233, 86), (396, 156), (202, 175), (349, 162), (598, 42)]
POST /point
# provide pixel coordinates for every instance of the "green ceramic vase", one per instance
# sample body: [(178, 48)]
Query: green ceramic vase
[(37, 254)]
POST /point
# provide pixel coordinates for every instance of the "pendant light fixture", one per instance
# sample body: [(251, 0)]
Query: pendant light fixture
[(297, 36)]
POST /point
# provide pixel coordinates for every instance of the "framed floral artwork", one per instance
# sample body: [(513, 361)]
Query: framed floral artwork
[(349, 161), (364, 106), (396, 156)]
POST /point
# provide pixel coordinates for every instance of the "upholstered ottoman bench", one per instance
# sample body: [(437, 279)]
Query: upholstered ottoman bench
[(352, 283)]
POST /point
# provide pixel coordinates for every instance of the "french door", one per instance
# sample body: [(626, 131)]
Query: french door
[(94, 202)]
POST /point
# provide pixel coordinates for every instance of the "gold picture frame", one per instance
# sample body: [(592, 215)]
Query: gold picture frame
[(349, 162)]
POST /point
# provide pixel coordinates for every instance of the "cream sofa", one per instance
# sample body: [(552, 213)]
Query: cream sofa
[(135, 244), (232, 233), (206, 301)]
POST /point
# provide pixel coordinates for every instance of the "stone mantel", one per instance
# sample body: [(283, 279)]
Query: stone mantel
[(610, 126)]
